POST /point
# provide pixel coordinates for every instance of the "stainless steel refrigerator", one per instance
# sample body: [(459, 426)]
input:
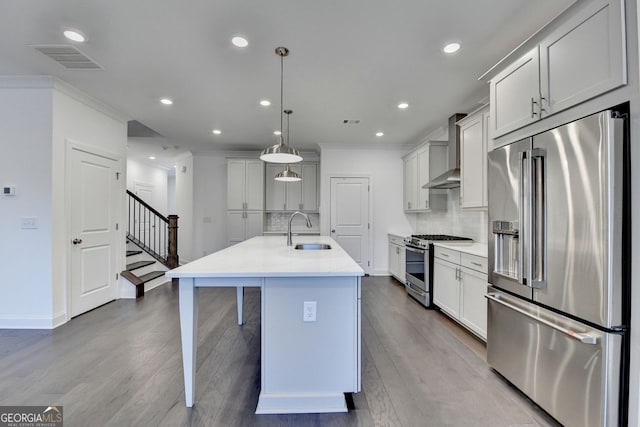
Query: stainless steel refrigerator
[(557, 304)]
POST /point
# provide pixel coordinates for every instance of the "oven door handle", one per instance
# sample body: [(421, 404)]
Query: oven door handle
[(412, 249), (416, 290)]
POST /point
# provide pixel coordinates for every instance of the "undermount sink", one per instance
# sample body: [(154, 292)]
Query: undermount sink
[(312, 246)]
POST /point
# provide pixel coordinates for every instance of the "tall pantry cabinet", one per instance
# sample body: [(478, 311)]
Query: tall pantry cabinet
[(245, 199)]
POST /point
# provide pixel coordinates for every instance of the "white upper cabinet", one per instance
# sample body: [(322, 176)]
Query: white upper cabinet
[(275, 190), (292, 196), (245, 184), (411, 182), (473, 159), (514, 94), (420, 166), (581, 59)]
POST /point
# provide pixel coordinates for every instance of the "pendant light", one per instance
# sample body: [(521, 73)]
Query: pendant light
[(287, 175), (281, 152)]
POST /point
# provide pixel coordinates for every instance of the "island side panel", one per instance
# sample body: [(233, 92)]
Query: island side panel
[(311, 357)]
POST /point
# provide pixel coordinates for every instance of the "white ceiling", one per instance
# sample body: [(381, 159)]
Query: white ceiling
[(350, 59)]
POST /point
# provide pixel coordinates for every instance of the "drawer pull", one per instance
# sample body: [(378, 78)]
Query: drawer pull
[(476, 263), (443, 254)]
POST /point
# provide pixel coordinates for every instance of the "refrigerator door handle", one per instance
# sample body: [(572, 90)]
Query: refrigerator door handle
[(538, 219), (530, 223), (523, 230), (583, 337)]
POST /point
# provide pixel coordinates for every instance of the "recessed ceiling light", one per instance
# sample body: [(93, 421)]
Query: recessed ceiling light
[(265, 102), (451, 48), (277, 132), (379, 133), (152, 158), (74, 36), (240, 41), (403, 105), (166, 101), (217, 131)]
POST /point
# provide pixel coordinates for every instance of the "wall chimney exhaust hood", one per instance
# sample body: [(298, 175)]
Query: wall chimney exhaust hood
[(451, 178)]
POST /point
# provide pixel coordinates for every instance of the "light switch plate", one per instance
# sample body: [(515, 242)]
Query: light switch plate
[(309, 314), (29, 222), (9, 190)]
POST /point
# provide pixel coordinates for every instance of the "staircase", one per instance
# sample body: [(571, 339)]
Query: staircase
[(152, 242)]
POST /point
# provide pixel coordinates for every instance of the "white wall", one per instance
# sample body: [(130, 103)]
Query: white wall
[(171, 194), (156, 177), (80, 119), (210, 204), (25, 126), (385, 169), (38, 115), (184, 207)]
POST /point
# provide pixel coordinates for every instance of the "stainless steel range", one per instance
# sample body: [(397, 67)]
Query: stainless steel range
[(419, 264)]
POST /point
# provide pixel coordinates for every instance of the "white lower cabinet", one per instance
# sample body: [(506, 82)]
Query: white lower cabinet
[(243, 225), (397, 258), (459, 287), (446, 287)]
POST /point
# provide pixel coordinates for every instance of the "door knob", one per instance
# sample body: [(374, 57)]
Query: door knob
[(76, 241), (333, 231)]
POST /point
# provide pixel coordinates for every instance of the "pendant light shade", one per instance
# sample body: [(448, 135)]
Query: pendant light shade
[(287, 175), (281, 152)]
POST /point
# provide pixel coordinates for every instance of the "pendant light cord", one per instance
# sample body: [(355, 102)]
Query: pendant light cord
[(281, 91)]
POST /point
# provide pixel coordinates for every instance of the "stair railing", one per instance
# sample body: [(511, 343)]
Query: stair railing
[(152, 232)]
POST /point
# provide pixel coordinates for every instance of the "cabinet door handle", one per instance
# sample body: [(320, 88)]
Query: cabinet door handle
[(533, 103), (426, 204), (542, 98), (284, 206), (300, 206), (409, 205)]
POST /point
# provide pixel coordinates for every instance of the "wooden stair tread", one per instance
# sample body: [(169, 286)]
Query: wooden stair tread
[(141, 280), (139, 264), (131, 253), (150, 276)]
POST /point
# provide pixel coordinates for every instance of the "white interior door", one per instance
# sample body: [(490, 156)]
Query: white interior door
[(350, 217), (147, 194), (93, 193)]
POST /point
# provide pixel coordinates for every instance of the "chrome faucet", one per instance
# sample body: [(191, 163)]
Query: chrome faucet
[(289, 242)]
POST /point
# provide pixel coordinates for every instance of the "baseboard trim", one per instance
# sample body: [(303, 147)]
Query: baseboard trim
[(28, 322), (380, 273), (59, 319)]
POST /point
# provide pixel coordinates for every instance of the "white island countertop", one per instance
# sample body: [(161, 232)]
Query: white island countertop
[(475, 248), (269, 256)]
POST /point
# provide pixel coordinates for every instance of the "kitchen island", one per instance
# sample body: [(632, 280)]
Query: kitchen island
[(310, 319)]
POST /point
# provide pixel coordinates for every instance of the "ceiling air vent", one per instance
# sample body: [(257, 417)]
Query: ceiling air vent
[(350, 122), (68, 56)]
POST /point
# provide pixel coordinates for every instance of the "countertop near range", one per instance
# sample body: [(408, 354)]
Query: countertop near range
[(474, 248)]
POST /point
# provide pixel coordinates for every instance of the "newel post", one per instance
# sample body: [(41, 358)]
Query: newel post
[(172, 257)]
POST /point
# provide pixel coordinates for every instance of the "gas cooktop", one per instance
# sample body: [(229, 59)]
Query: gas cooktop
[(423, 240)]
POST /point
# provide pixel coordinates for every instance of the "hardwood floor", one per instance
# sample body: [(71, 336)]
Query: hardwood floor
[(120, 365)]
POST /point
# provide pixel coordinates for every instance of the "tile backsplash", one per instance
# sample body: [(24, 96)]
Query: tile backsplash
[(279, 221), (454, 221)]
